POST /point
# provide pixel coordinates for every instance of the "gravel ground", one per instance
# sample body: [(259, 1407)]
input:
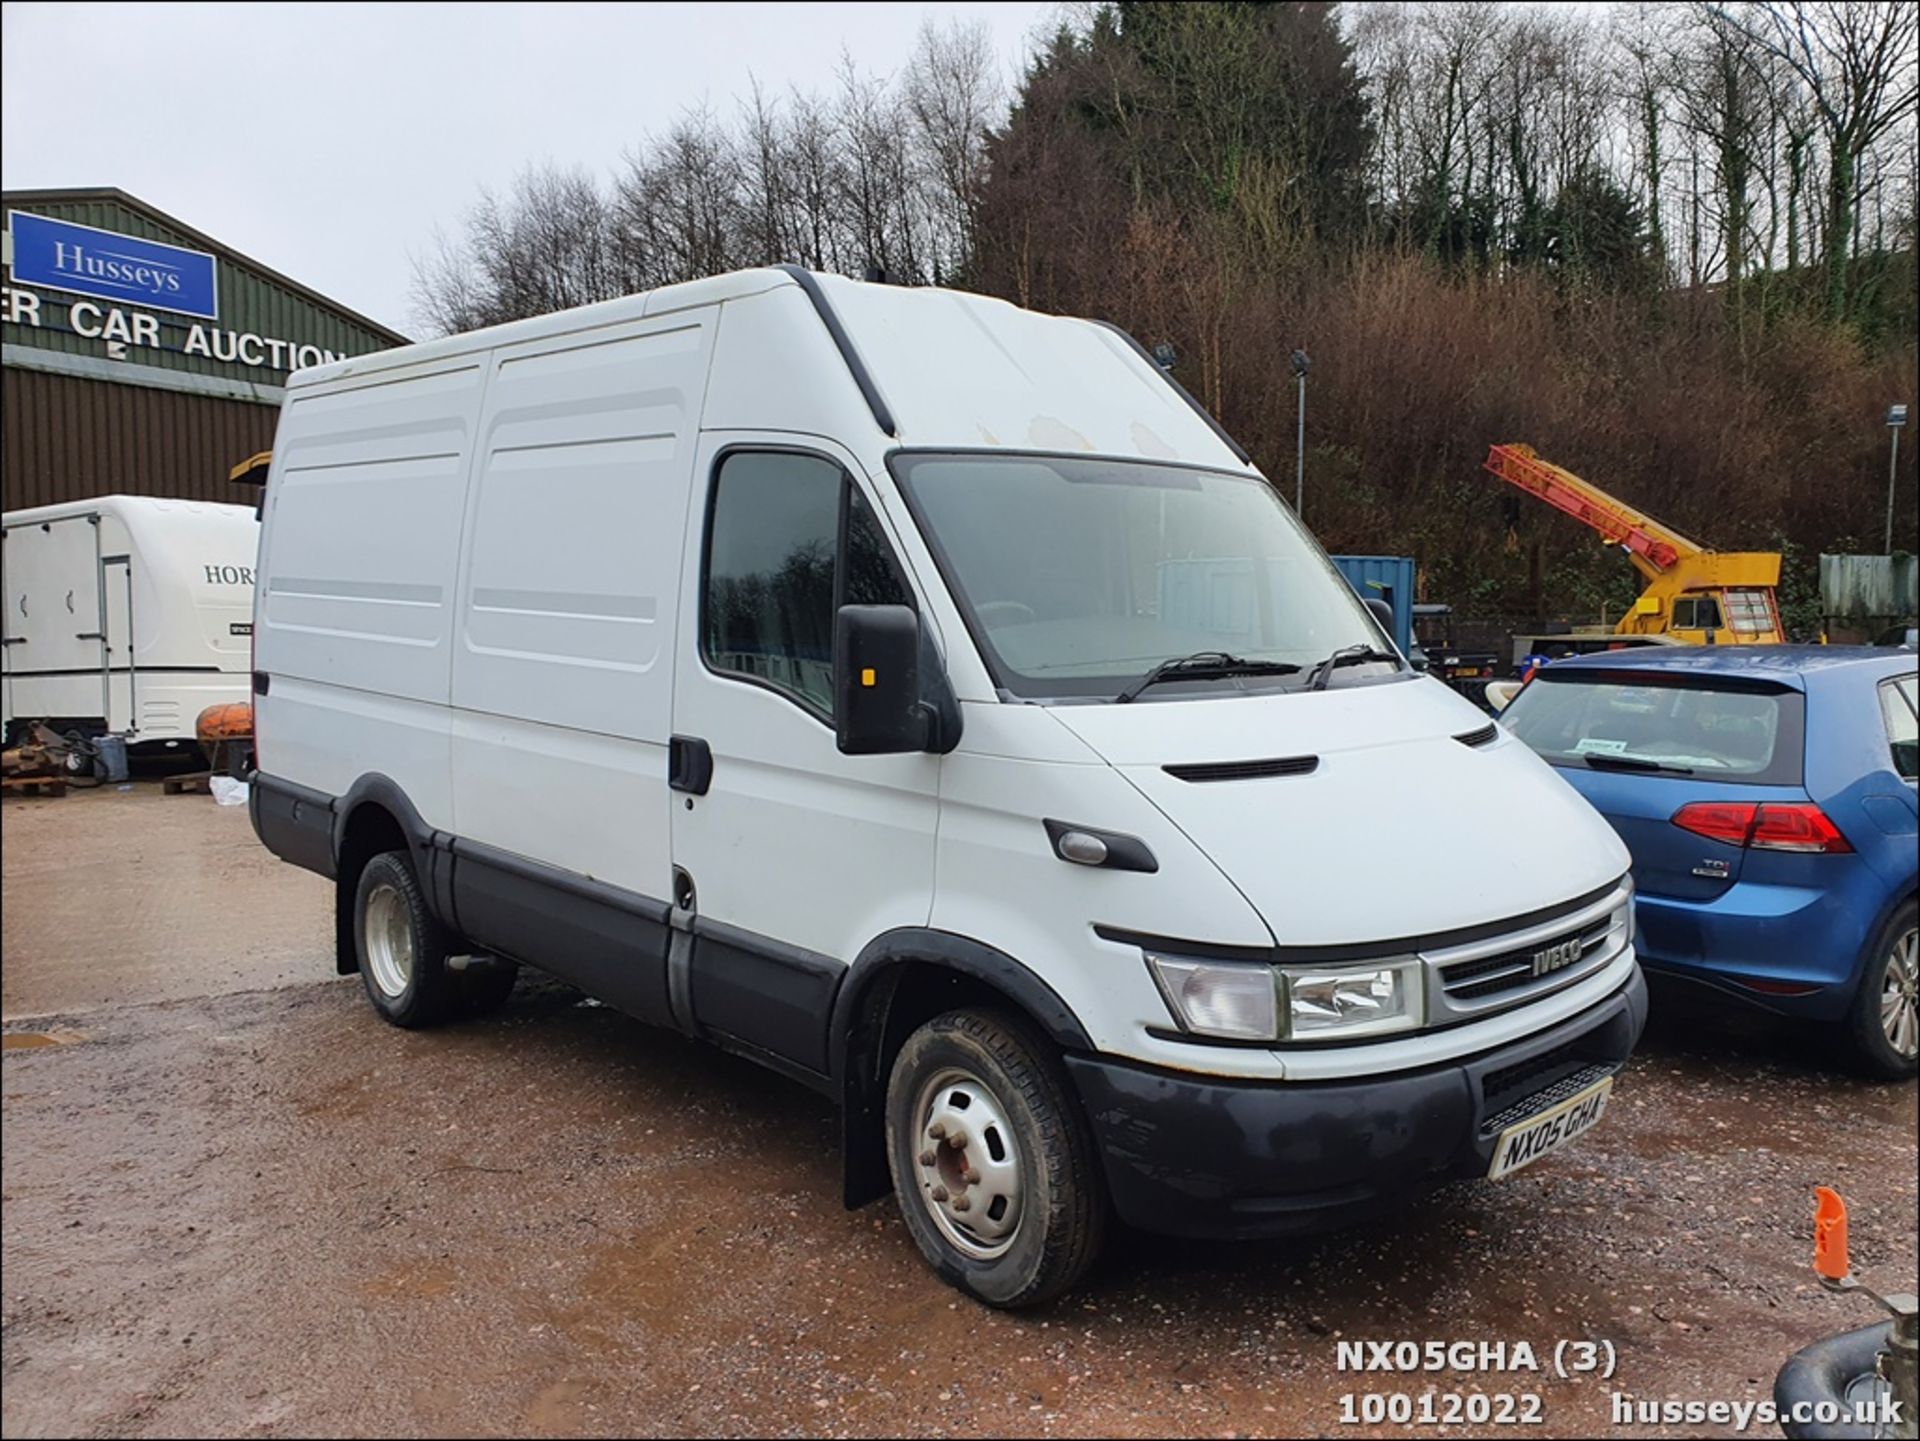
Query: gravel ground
[(236, 1203)]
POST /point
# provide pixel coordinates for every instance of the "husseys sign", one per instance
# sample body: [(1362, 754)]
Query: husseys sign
[(60, 255), (78, 259)]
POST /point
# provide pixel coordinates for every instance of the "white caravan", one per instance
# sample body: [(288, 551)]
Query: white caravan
[(925, 698), (127, 615)]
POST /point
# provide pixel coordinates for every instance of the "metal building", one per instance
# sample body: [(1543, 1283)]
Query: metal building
[(142, 357)]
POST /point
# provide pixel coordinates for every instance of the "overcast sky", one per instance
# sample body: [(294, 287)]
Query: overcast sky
[(327, 141)]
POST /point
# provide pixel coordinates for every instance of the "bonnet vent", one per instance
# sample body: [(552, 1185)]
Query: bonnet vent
[(1481, 737), (1245, 770)]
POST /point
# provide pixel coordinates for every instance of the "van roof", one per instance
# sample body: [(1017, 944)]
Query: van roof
[(935, 368)]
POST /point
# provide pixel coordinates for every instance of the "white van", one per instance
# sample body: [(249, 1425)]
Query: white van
[(925, 698), (126, 615)]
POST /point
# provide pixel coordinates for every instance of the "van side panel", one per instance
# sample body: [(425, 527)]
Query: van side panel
[(777, 370), (359, 555), (563, 666)]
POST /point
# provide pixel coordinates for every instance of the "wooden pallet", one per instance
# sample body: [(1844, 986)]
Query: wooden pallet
[(35, 785), (194, 784)]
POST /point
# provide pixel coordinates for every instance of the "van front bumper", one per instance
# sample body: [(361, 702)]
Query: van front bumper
[(1189, 1156)]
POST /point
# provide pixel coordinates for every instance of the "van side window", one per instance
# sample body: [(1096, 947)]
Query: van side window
[(868, 572), (777, 569)]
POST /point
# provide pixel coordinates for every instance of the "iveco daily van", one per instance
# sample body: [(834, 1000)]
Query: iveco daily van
[(925, 698)]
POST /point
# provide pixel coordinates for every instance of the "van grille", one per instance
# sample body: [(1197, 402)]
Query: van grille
[(1245, 770), (1551, 1094), (1490, 975)]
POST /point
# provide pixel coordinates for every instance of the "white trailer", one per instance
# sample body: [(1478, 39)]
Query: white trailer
[(126, 615)]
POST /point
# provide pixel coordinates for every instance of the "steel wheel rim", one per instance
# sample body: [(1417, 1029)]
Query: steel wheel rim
[(388, 933), (967, 1168), (1900, 995)]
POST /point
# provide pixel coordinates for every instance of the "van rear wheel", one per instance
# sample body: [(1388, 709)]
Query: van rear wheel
[(992, 1162), (402, 949)]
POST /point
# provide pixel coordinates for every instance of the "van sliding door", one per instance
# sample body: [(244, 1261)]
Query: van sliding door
[(563, 654)]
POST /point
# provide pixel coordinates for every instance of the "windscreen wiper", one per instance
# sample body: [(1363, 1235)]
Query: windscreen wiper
[(1347, 655), (1204, 665), (1603, 761)]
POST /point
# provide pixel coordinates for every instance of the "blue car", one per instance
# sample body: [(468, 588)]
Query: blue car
[(1767, 795)]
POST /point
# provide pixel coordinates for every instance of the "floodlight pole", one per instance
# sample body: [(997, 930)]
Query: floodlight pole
[(1896, 419), (1300, 363)]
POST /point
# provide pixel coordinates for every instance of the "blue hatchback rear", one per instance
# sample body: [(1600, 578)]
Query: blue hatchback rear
[(1767, 795)]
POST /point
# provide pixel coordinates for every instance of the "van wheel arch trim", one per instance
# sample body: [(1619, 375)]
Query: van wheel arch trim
[(429, 857), (856, 1047)]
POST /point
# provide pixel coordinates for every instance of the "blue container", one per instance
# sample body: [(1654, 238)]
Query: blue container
[(110, 754), (1388, 578)]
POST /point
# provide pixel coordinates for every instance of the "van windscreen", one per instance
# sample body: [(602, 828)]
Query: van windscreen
[(1080, 575)]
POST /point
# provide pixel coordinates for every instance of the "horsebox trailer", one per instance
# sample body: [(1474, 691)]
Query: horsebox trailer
[(126, 615)]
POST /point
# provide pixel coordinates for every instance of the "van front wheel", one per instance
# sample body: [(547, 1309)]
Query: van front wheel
[(992, 1162), (402, 948)]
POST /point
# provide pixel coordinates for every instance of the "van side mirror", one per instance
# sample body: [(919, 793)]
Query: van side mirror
[(876, 681), (1381, 612)]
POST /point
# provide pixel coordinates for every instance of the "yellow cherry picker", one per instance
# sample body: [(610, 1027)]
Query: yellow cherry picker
[(1691, 595)]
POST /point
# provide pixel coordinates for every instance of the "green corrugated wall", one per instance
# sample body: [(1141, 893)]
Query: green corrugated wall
[(249, 301)]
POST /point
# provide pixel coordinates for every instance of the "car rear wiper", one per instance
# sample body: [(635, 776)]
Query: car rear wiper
[(1347, 655), (1605, 762), (1204, 665)]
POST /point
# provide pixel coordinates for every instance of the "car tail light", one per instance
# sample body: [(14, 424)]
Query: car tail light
[(1796, 828), (1729, 821), (1764, 826)]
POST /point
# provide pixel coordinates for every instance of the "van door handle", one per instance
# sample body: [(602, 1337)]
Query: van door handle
[(689, 765)]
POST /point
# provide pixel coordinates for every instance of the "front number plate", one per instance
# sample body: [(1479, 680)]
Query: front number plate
[(1534, 1137)]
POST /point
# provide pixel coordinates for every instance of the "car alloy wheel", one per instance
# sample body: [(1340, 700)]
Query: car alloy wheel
[(1900, 995)]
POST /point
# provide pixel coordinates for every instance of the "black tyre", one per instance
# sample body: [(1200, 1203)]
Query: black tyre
[(1882, 1031), (484, 989), (992, 1161), (402, 949), (80, 762)]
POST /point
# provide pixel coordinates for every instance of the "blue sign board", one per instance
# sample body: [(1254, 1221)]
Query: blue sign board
[(109, 266)]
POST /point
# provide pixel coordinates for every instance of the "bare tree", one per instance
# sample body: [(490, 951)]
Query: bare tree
[(549, 243), (677, 202), (952, 91), (874, 171), (1855, 59), (765, 207)]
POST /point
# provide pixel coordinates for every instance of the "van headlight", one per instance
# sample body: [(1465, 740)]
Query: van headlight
[(1370, 1001), (1236, 1001), (1219, 998)]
